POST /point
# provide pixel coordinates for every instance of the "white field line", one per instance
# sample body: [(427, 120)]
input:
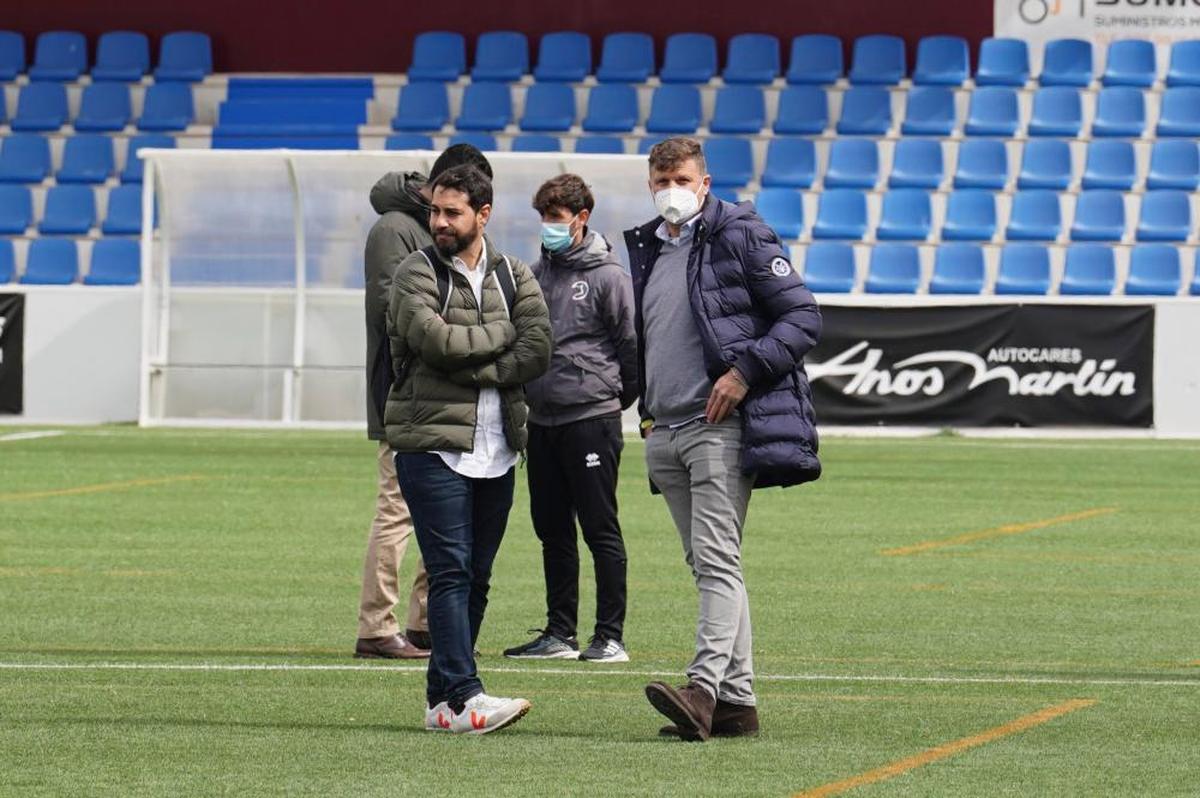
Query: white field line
[(29, 436), (592, 672)]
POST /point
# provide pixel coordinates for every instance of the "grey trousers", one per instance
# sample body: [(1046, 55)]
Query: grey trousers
[(697, 468)]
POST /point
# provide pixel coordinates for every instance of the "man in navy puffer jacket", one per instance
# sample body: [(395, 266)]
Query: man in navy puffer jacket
[(724, 323)]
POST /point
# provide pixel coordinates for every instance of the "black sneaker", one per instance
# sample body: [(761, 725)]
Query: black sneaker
[(545, 646), (604, 650)]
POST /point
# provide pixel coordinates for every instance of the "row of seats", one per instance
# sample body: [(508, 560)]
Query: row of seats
[(754, 58), (71, 210), (122, 56), (103, 107), (1025, 269), (55, 261), (87, 158)]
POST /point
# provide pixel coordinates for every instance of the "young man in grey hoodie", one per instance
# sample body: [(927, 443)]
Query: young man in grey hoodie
[(402, 201), (575, 423)]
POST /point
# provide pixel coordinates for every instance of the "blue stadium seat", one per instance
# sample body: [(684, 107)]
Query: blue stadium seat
[(1194, 289), (1165, 216), (536, 143), (105, 107), (87, 158), (689, 58), (853, 163), (24, 158), (829, 267), (1090, 271), (16, 210), (438, 56), (122, 56), (1066, 62), (970, 216), (917, 163), (1184, 67), (1035, 216), (408, 141), (485, 142), (626, 58), (70, 210), (564, 56), (958, 269), (841, 213), (992, 112), (726, 194), (500, 56), (132, 173), (929, 111), (115, 261), (600, 145), (257, 123), (791, 163), (1024, 269), (783, 210), (942, 61), (422, 106), (674, 109), (486, 107), (1153, 271), (12, 55), (1120, 112), (549, 107), (612, 108), (1045, 163), (866, 111), (1130, 62), (184, 56), (907, 215), (124, 213), (817, 59), (730, 161), (739, 109), (1174, 164), (41, 106), (168, 106), (1099, 216), (878, 59), (1179, 114), (1110, 164), (982, 163), (894, 269), (8, 261), (1002, 62), (1057, 111), (51, 261), (752, 58), (647, 143), (59, 55), (803, 111)]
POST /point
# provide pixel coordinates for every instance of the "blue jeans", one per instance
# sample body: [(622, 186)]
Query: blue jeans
[(459, 522)]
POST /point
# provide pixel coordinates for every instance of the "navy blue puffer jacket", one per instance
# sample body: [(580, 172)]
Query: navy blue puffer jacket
[(754, 313)]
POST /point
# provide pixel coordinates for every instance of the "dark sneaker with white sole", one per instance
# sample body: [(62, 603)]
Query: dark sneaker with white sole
[(545, 646), (602, 649)]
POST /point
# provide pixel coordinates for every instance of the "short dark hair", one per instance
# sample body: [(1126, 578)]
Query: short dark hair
[(670, 153), (469, 180), (460, 155), (567, 191)]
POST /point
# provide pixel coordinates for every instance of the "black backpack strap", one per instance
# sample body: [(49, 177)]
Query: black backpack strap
[(441, 274), (508, 285)]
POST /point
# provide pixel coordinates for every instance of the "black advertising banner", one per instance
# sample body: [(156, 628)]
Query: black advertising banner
[(12, 348), (986, 365)]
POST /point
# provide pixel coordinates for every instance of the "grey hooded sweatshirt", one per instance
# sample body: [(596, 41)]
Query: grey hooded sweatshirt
[(402, 228), (593, 368)]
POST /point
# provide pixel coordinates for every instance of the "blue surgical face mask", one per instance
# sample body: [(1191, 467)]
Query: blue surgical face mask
[(556, 236)]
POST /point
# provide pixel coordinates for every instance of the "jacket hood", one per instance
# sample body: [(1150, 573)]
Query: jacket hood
[(590, 253), (399, 191)]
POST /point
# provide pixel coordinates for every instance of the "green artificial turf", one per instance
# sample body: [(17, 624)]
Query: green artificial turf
[(128, 615)]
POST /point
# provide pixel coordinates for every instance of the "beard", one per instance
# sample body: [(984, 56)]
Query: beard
[(450, 243)]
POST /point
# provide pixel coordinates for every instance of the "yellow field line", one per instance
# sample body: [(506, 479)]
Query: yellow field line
[(996, 532), (949, 749), (101, 488)]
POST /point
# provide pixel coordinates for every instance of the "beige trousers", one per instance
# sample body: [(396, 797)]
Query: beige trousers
[(390, 532)]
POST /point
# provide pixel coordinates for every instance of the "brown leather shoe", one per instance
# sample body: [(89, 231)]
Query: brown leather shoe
[(390, 647), (690, 708), (418, 638), (729, 720)]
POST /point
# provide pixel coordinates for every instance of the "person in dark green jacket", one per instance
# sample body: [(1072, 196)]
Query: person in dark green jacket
[(468, 327)]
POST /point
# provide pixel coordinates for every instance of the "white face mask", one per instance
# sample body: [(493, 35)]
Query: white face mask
[(676, 205)]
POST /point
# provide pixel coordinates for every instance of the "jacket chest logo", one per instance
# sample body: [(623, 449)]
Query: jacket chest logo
[(579, 290)]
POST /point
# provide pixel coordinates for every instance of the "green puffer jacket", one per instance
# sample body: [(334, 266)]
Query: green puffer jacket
[(442, 363)]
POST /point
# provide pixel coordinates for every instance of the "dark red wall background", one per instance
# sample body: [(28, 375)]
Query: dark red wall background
[(302, 35)]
